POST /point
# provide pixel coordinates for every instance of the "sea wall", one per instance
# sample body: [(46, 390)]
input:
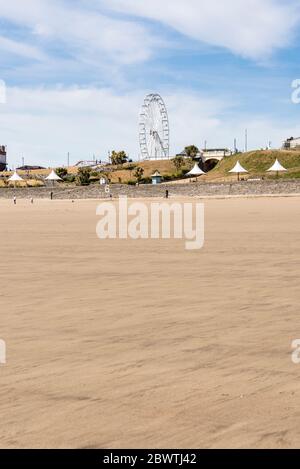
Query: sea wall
[(189, 190)]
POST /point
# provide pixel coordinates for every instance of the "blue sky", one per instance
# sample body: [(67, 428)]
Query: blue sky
[(77, 72)]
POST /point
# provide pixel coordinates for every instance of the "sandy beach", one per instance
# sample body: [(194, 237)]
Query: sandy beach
[(132, 344)]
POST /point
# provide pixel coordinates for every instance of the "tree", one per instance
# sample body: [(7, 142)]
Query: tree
[(192, 151), (83, 176), (139, 173), (62, 172), (118, 157), (178, 162)]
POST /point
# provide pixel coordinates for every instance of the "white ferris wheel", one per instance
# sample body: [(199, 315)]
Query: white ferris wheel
[(154, 130)]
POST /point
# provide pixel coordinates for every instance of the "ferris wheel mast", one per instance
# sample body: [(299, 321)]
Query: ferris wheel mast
[(154, 133)]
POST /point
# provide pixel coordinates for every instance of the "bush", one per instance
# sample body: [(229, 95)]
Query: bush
[(183, 173), (84, 177), (70, 178), (168, 177), (118, 157), (62, 172), (138, 174), (192, 151), (95, 174), (130, 167), (178, 162), (146, 180)]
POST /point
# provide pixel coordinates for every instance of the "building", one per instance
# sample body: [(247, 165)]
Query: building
[(292, 144), (184, 154), (30, 168), (217, 153), (156, 178), (3, 161), (209, 153), (211, 157), (89, 163)]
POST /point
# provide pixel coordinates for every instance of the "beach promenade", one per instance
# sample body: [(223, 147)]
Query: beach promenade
[(188, 189)]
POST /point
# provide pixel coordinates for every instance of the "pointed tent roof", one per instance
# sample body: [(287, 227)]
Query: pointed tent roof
[(156, 174), (15, 177), (196, 171), (53, 176), (238, 169), (277, 167)]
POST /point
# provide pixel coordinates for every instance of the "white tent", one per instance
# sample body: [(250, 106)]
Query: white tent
[(196, 171), (53, 176), (15, 177), (277, 167), (238, 169)]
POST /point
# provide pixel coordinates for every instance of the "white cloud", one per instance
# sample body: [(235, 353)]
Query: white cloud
[(97, 38), (20, 49), (86, 30), (85, 34), (44, 124), (251, 28)]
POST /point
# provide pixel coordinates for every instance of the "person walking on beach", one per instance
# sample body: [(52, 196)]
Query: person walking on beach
[(15, 200), (51, 195)]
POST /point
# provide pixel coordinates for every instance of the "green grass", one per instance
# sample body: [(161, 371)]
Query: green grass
[(257, 162)]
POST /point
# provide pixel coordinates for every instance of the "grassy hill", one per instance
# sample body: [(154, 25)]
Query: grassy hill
[(257, 162), (117, 174), (166, 169)]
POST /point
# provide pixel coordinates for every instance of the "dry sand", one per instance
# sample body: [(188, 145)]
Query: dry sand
[(143, 344)]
